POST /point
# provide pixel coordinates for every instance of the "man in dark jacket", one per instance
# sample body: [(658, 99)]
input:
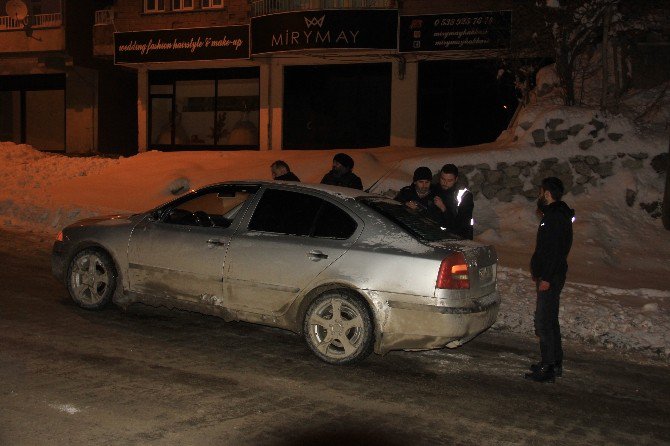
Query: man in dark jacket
[(341, 174), (281, 171), (548, 267), (456, 203), (418, 195)]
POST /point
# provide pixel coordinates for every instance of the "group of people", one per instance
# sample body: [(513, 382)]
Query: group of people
[(452, 205), (340, 175), (446, 202)]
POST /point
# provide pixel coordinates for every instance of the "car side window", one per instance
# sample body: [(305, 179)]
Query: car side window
[(294, 213), (211, 209), (333, 222), (285, 212)]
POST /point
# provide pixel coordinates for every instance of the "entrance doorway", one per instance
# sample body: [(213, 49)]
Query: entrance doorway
[(32, 110), (337, 106)]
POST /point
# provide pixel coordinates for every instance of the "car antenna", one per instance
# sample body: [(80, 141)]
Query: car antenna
[(383, 176)]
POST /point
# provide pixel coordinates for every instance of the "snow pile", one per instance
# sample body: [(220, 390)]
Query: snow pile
[(633, 320), (617, 294)]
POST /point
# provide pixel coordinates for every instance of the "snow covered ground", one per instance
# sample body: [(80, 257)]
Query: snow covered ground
[(618, 291)]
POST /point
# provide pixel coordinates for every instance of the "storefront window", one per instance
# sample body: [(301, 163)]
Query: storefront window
[(161, 121), (195, 111), (217, 109)]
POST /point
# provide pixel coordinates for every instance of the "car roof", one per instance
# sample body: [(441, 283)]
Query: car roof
[(338, 191)]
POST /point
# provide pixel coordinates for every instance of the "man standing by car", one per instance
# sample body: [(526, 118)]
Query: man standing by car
[(341, 173), (418, 195), (548, 267), (281, 171), (455, 203)]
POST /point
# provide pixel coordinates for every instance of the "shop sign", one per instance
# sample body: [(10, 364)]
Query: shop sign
[(169, 45), (323, 29), (449, 32)]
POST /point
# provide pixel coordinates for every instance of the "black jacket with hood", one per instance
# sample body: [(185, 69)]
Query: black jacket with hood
[(554, 239)]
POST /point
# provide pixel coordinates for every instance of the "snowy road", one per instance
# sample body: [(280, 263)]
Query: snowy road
[(156, 377)]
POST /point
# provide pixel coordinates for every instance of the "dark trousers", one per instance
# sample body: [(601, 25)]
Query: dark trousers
[(547, 327)]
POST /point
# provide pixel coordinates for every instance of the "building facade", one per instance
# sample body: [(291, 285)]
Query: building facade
[(310, 74), (50, 85)]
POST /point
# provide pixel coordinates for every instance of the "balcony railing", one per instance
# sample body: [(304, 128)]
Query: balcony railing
[(265, 7), (34, 21), (104, 17)]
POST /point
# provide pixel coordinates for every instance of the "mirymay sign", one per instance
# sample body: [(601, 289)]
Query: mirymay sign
[(354, 29), (449, 32), (168, 45)]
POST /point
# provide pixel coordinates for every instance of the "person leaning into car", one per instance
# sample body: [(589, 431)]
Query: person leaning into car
[(455, 203), (419, 195), (548, 267)]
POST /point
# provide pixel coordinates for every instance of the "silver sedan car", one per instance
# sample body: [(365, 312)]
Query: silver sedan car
[(350, 271)]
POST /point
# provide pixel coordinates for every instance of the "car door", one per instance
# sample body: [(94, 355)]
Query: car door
[(289, 239), (180, 253)]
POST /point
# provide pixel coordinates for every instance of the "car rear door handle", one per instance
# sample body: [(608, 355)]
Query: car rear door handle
[(316, 255), (215, 242)]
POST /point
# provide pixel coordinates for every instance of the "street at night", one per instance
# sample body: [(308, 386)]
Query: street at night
[(154, 376)]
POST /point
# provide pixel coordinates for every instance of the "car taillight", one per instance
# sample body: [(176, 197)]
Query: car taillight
[(453, 273)]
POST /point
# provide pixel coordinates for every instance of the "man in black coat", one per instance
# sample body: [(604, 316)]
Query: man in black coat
[(341, 173), (281, 171), (548, 267), (456, 203), (419, 195)]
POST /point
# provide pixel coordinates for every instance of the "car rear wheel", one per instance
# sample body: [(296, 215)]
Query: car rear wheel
[(91, 279), (338, 328)]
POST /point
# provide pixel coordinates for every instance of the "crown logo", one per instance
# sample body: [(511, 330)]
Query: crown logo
[(314, 21)]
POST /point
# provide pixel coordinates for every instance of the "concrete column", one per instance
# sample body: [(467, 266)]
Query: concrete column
[(404, 87), (276, 103), (142, 109), (264, 121)]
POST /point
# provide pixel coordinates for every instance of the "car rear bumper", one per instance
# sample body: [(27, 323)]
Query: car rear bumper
[(411, 326)]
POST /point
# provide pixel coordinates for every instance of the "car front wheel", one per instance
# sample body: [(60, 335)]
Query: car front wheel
[(338, 328), (91, 279)]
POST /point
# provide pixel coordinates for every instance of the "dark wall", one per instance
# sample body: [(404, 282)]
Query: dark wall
[(117, 113)]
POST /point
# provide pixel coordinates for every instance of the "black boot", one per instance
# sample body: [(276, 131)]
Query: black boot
[(543, 374), (558, 369)]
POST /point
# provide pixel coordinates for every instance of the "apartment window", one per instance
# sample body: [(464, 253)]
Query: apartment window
[(212, 3), (182, 5), (154, 5)]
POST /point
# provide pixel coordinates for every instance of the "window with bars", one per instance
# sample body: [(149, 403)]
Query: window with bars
[(154, 5), (182, 5), (210, 4)]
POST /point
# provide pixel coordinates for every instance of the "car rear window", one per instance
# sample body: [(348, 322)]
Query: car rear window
[(413, 221)]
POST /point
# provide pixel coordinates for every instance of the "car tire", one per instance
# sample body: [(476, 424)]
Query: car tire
[(91, 279), (341, 339)]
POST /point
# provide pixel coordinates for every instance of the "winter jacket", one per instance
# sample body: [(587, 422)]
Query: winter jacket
[(554, 239), (458, 216), (348, 179), (425, 204), (288, 176)]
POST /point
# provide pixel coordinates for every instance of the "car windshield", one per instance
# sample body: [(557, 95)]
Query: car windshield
[(413, 221)]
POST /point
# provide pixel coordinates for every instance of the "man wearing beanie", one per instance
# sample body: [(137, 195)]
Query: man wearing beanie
[(341, 174), (418, 195)]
